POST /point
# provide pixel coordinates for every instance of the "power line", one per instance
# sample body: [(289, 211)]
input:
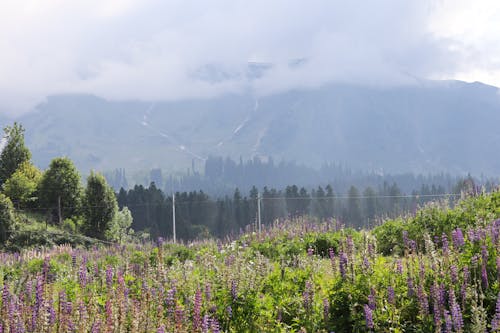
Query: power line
[(215, 201)]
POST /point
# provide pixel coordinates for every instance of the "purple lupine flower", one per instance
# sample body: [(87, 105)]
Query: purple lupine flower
[(38, 294), (456, 313), (307, 295), (161, 329), (371, 250), (310, 251), (109, 314), (96, 327), (371, 299), (170, 301), (45, 269), (390, 295), (498, 267), (448, 324), (331, 253), (205, 324), (343, 264), (399, 266), (409, 283), (484, 254), (421, 270), (495, 322), (368, 316), (445, 244), (366, 264), (413, 246), (71, 326), (214, 325), (454, 274), (495, 231), (474, 259), (436, 308), (229, 311), (83, 275), (197, 310), (28, 290), (349, 245), (230, 260), (471, 235), (179, 315), (208, 291), (82, 312), (234, 290), (423, 302), (109, 277), (326, 308), (458, 238), (484, 276)]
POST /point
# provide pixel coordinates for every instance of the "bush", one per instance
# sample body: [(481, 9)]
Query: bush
[(390, 237), (7, 218)]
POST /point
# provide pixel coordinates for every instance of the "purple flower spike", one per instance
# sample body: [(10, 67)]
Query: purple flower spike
[(368, 316), (390, 295)]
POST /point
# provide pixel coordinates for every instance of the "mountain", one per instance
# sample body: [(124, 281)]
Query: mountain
[(432, 126)]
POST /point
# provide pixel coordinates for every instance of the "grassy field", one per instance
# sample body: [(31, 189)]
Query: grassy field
[(437, 271)]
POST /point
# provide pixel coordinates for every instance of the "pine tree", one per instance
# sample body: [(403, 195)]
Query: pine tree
[(99, 206), (14, 152)]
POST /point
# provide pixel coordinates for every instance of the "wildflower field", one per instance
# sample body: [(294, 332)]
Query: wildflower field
[(436, 271)]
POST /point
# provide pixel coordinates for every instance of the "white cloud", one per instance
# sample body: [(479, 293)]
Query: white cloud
[(150, 49)]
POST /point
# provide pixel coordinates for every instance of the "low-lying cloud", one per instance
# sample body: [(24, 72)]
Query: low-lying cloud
[(157, 50)]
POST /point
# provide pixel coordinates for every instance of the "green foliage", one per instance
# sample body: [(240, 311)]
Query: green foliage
[(14, 153), (389, 237), (119, 229), (61, 182), (100, 207), (7, 218), (69, 226), (22, 185)]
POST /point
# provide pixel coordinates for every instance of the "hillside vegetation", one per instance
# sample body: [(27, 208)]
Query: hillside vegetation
[(435, 271)]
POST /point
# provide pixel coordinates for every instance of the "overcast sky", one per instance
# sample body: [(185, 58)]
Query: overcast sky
[(155, 50)]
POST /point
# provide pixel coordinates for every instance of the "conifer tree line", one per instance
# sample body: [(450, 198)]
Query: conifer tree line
[(199, 215), (219, 177)]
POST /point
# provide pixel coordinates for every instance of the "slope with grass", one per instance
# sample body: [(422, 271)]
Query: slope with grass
[(436, 271)]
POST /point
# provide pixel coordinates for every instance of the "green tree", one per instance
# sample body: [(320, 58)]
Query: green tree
[(119, 229), (61, 184), (99, 206), (6, 217), (22, 185), (14, 153)]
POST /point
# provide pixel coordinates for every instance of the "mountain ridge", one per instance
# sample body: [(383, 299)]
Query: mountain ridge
[(430, 127)]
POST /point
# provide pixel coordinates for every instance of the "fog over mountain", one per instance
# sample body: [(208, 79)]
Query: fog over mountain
[(432, 126)]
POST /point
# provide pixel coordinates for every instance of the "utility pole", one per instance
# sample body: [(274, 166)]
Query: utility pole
[(173, 215), (59, 209), (258, 213)]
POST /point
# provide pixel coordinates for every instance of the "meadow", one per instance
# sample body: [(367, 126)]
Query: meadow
[(435, 271)]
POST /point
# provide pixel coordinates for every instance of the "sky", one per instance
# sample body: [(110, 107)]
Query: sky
[(176, 49)]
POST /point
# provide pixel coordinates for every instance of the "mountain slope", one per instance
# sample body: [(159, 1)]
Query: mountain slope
[(434, 126)]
